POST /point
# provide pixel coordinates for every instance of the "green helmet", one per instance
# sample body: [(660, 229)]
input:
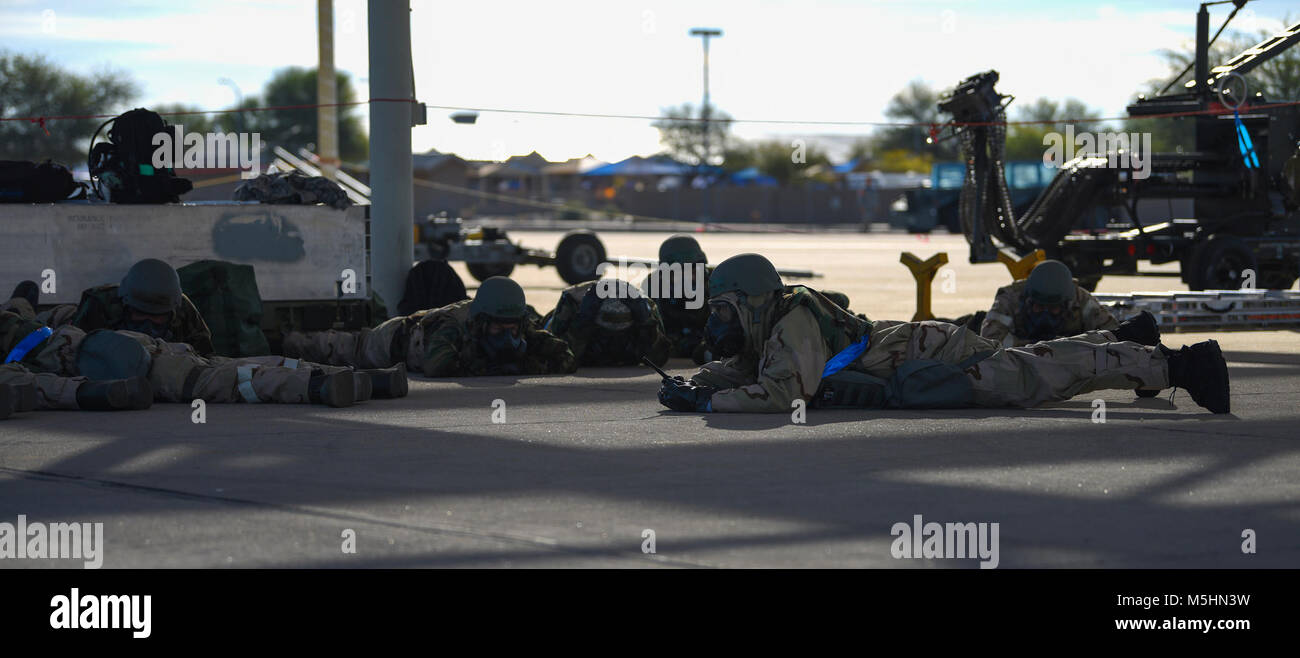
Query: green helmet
[(499, 297), (151, 286), (681, 249), (1050, 283), (751, 274), (106, 354)]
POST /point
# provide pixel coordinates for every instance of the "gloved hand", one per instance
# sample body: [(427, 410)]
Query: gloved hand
[(680, 395)]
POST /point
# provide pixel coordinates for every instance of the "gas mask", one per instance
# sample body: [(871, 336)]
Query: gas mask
[(724, 333), (143, 324), (502, 340), (1042, 322)]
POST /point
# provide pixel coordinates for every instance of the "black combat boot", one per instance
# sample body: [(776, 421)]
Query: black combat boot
[(388, 383), (362, 389), (1202, 370), (115, 394), (29, 291), (336, 389), (1141, 329)]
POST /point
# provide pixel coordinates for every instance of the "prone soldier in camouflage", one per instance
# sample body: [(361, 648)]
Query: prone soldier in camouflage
[(1046, 305), (492, 334), (609, 323), (155, 369), (683, 325), (149, 301), (783, 344)]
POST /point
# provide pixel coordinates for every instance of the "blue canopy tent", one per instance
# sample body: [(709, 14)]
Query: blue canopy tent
[(639, 166), (751, 176)]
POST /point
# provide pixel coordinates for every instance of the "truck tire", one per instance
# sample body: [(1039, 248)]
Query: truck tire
[(578, 255), (1218, 263), (485, 271)]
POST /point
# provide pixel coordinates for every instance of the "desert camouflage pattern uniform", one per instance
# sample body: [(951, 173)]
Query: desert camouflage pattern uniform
[(591, 348), (102, 308), (435, 342), (1005, 324), (790, 339), (177, 373)]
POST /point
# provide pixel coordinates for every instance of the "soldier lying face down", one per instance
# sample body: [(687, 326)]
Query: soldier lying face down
[(780, 344)]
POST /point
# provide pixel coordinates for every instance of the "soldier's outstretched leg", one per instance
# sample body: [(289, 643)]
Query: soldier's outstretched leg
[(1060, 369), (49, 391), (384, 383), (381, 347), (184, 376)]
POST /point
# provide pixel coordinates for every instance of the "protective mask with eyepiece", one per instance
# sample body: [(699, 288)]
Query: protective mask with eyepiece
[(1042, 322), (502, 340), (156, 326), (499, 309), (742, 290), (724, 333), (1048, 290)]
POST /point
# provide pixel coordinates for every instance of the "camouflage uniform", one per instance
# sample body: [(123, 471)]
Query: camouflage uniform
[(790, 340), (593, 345), (52, 391), (1005, 324), (102, 308), (684, 327), (21, 307), (436, 342), (177, 373)]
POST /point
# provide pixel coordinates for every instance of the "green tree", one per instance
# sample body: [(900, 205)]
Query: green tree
[(786, 162), (918, 102), (296, 128), (682, 131), (33, 86), (1025, 141)]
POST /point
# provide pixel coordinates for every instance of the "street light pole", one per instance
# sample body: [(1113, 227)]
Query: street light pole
[(705, 33), (239, 99)]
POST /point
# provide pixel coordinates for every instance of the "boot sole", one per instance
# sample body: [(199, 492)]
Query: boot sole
[(391, 384)]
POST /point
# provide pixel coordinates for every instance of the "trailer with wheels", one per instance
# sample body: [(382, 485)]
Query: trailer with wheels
[(488, 251)]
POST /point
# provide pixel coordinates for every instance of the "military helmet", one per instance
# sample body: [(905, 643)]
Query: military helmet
[(106, 354), (499, 297), (1050, 283), (614, 315), (151, 286), (681, 249), (751, 274)]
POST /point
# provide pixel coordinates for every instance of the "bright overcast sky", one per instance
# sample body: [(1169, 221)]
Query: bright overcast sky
[(786, 59)]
